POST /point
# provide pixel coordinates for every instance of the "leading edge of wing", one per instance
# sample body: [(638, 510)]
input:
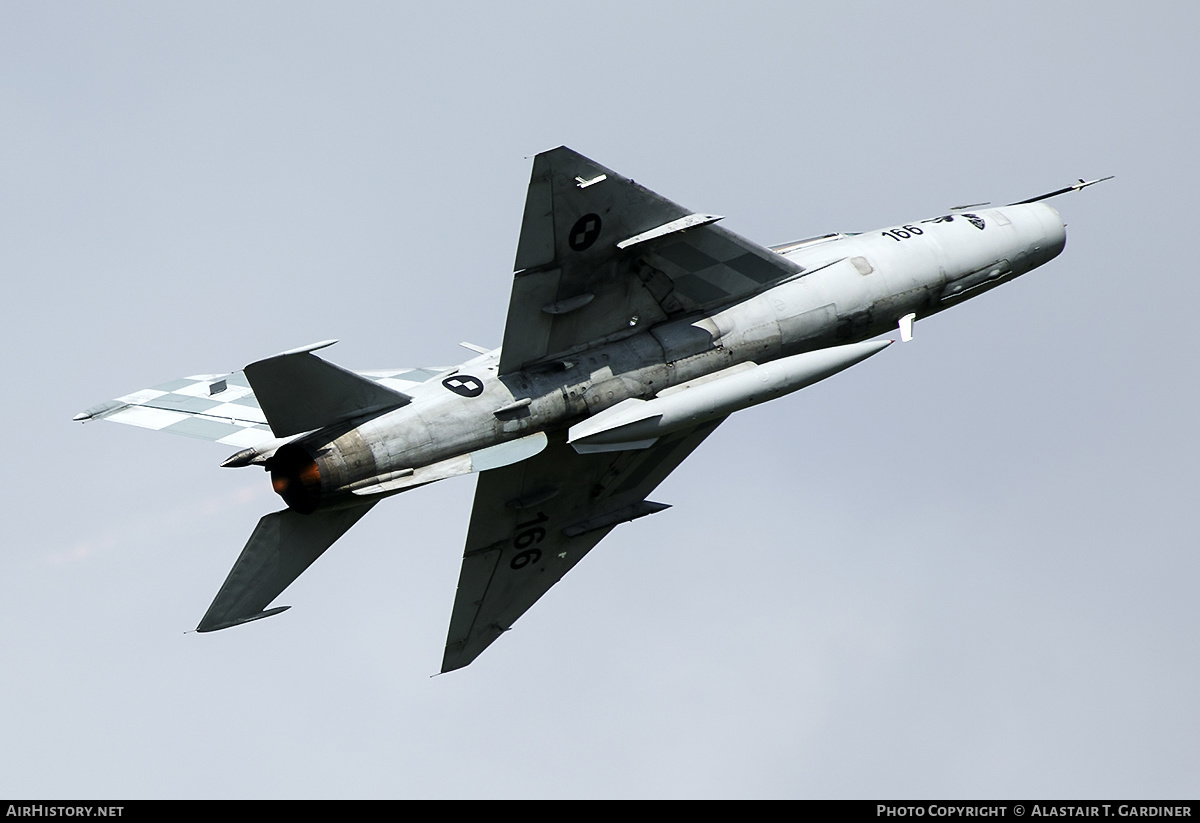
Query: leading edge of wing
[(533, 521)]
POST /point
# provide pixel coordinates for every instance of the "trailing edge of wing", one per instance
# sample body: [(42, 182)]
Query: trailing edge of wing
[(282, 546)]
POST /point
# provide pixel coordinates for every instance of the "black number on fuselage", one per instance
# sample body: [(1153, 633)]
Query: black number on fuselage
[(903, 233)]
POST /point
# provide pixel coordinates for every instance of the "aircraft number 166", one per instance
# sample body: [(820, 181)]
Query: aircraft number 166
[(902, 233), (528, 534)]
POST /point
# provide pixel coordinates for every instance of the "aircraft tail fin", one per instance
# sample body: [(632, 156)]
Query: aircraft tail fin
[(299, 391), (282, 546)]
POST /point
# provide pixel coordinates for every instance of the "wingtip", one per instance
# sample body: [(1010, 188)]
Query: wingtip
[(215, 626), (98, 411)]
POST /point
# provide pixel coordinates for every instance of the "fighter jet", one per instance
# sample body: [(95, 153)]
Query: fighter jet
[(634, 328)]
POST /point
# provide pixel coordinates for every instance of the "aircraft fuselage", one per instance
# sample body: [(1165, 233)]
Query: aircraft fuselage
[(852, 288)]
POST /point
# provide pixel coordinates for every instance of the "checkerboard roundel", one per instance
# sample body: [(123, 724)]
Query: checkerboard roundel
[(585, 231), (464, 384)]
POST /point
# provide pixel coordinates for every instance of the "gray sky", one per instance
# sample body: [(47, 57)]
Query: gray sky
[(966, 568)]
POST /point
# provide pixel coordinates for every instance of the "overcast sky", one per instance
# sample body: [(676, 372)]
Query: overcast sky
[(965, 568)]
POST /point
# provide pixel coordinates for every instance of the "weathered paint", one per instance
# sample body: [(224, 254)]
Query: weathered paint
[(853, 288)]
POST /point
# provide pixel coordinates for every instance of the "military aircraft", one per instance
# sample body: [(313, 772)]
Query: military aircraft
[(635, 327)]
